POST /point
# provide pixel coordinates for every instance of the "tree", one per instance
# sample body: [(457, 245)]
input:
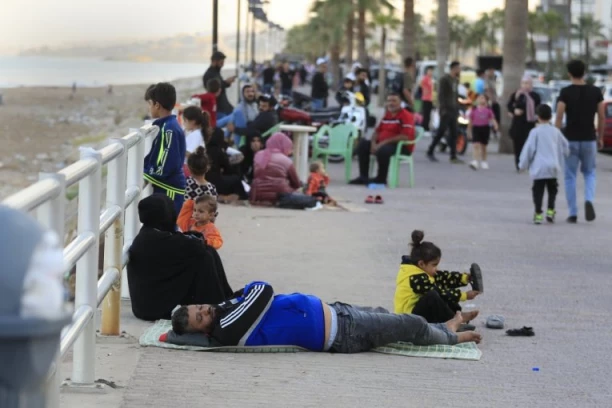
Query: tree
[(533, 23), (383, 22), (515, 28), (363, 7), (476, 35), (350, 33), (458, 30), (409, 29), (551, 25), (586, 29), (442, 39)]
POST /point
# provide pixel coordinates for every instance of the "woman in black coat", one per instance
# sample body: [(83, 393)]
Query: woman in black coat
[(521, 108), (168, 268), (221, 173)]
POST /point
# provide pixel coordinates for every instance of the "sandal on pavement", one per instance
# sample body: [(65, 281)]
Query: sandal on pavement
[(463, 327), (378, 200), (523, 331), (495, 322), (476, 278), (369, 200)]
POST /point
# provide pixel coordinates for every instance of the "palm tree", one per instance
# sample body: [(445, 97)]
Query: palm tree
[(363, 7), (442, 38), (458, 30), (350, 33), (533, 26), (515, 29), (588, 28), (383, 22), (409, 39), (476, 35), (551, 25)]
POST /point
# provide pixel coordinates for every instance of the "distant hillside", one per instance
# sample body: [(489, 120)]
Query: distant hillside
[(181, 48)]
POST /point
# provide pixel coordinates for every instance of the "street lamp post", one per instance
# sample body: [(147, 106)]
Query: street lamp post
[(238, 48), (215, 25)]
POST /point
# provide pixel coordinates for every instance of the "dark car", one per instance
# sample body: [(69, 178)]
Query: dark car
[(393, 77)]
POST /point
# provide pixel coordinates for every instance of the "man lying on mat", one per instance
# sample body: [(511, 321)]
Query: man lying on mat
[(257, 317)]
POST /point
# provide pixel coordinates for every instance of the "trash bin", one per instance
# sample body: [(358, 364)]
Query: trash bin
[(31, 313)]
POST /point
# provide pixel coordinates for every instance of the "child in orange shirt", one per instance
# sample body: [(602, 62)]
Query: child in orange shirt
[(317, 183), (204, 212)]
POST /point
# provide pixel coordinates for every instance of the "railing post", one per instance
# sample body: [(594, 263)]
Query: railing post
[(135, 164), (113, 242), (84, 355), (52, 216)]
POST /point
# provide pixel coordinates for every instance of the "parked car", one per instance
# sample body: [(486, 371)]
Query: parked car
[(393, 76)]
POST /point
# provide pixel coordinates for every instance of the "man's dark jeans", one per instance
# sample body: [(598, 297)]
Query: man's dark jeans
[(448, 120), (362, 329), (383, 157)]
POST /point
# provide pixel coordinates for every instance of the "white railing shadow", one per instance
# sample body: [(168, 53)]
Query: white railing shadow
[(118, 220)]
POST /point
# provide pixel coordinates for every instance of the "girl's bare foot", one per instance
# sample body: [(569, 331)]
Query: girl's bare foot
[(228, 199), (468, 316), (454, 323), (465, 337)]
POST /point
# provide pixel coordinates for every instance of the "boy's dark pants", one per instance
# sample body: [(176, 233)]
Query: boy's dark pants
[(538, 193), (434, 309)]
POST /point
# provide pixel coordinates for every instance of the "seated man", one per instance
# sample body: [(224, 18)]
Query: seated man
[(264, 121), (167, 268), (256, 317), (396, 125)]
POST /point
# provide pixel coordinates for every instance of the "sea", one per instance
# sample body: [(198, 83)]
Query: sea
[(17, 71)]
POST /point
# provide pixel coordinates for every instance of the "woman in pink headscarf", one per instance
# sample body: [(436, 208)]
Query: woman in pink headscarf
[(274, 173), (521, 108)]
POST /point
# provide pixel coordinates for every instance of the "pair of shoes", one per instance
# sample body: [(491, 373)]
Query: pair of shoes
[(484, 165), (432, 158), (455, 160), (550, 215), (474, 165), (589, 211), (538, 218), (374, 200), (523, 331), (359, 181)]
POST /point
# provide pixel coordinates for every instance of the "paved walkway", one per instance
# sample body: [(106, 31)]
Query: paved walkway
[(552, 277)]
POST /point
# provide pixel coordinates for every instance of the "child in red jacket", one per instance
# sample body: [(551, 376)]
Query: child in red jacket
[(318, 180)]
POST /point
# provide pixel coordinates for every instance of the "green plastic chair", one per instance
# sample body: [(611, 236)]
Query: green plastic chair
[(341, 140), (269, 132), (399, 158)]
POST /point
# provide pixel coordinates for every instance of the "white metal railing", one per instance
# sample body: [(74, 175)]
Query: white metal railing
[(117, 219)]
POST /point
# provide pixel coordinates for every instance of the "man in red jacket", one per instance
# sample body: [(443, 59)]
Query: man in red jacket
[(397, 125)]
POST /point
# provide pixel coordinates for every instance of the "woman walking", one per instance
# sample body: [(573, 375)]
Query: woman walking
[(521, 108)]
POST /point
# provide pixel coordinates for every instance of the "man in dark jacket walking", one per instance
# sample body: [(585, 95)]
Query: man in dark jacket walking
[(320, 88), (224, 107), (448, 106)]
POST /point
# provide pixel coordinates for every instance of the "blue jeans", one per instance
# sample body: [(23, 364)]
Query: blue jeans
[(317, 103), (583, 154)]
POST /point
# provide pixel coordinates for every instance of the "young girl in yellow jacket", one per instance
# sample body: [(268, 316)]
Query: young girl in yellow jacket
[(423, 290)]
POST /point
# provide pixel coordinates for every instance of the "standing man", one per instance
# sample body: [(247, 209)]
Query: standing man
[(427, 97), (491, 93), (408, 84), (268, 78), (224, 107), (320, 88), (480, 85), (286, 77), (448, 106), (397, 125), (580, 103)]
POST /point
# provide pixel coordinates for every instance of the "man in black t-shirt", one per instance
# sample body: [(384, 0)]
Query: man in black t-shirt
[(268, 78), (580, 103)]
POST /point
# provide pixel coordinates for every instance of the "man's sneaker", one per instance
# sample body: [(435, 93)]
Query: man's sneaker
[(538, 218), (484, 165), (572, 219), (359, 181), (456, 160), (550, 215), (589, 211), (432, 158), (474, 165)]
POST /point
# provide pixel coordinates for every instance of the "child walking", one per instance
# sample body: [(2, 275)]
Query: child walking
[(481, 117), (544, 153), (318, 180), (163, 166), (203, 215), (423, 290)]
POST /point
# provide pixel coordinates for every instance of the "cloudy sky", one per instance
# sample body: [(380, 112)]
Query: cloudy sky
[(33, 23)]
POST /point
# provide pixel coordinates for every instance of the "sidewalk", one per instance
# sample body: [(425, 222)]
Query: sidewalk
[(553, 278)]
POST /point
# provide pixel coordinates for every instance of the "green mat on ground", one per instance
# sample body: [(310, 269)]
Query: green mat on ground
[(465, 351)]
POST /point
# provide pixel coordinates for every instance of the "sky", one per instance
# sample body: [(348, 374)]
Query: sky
[(34, 23)]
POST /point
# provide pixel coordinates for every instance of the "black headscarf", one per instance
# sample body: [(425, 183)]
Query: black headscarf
[(246, 166), (158, 211)]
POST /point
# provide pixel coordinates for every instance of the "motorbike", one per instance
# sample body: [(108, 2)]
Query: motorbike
[(461, 143)]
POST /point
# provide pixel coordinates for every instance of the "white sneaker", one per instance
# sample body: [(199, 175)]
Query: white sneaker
[(484, 165), (474, 164)]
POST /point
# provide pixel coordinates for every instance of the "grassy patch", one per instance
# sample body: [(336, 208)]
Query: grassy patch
[(89, 139)]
